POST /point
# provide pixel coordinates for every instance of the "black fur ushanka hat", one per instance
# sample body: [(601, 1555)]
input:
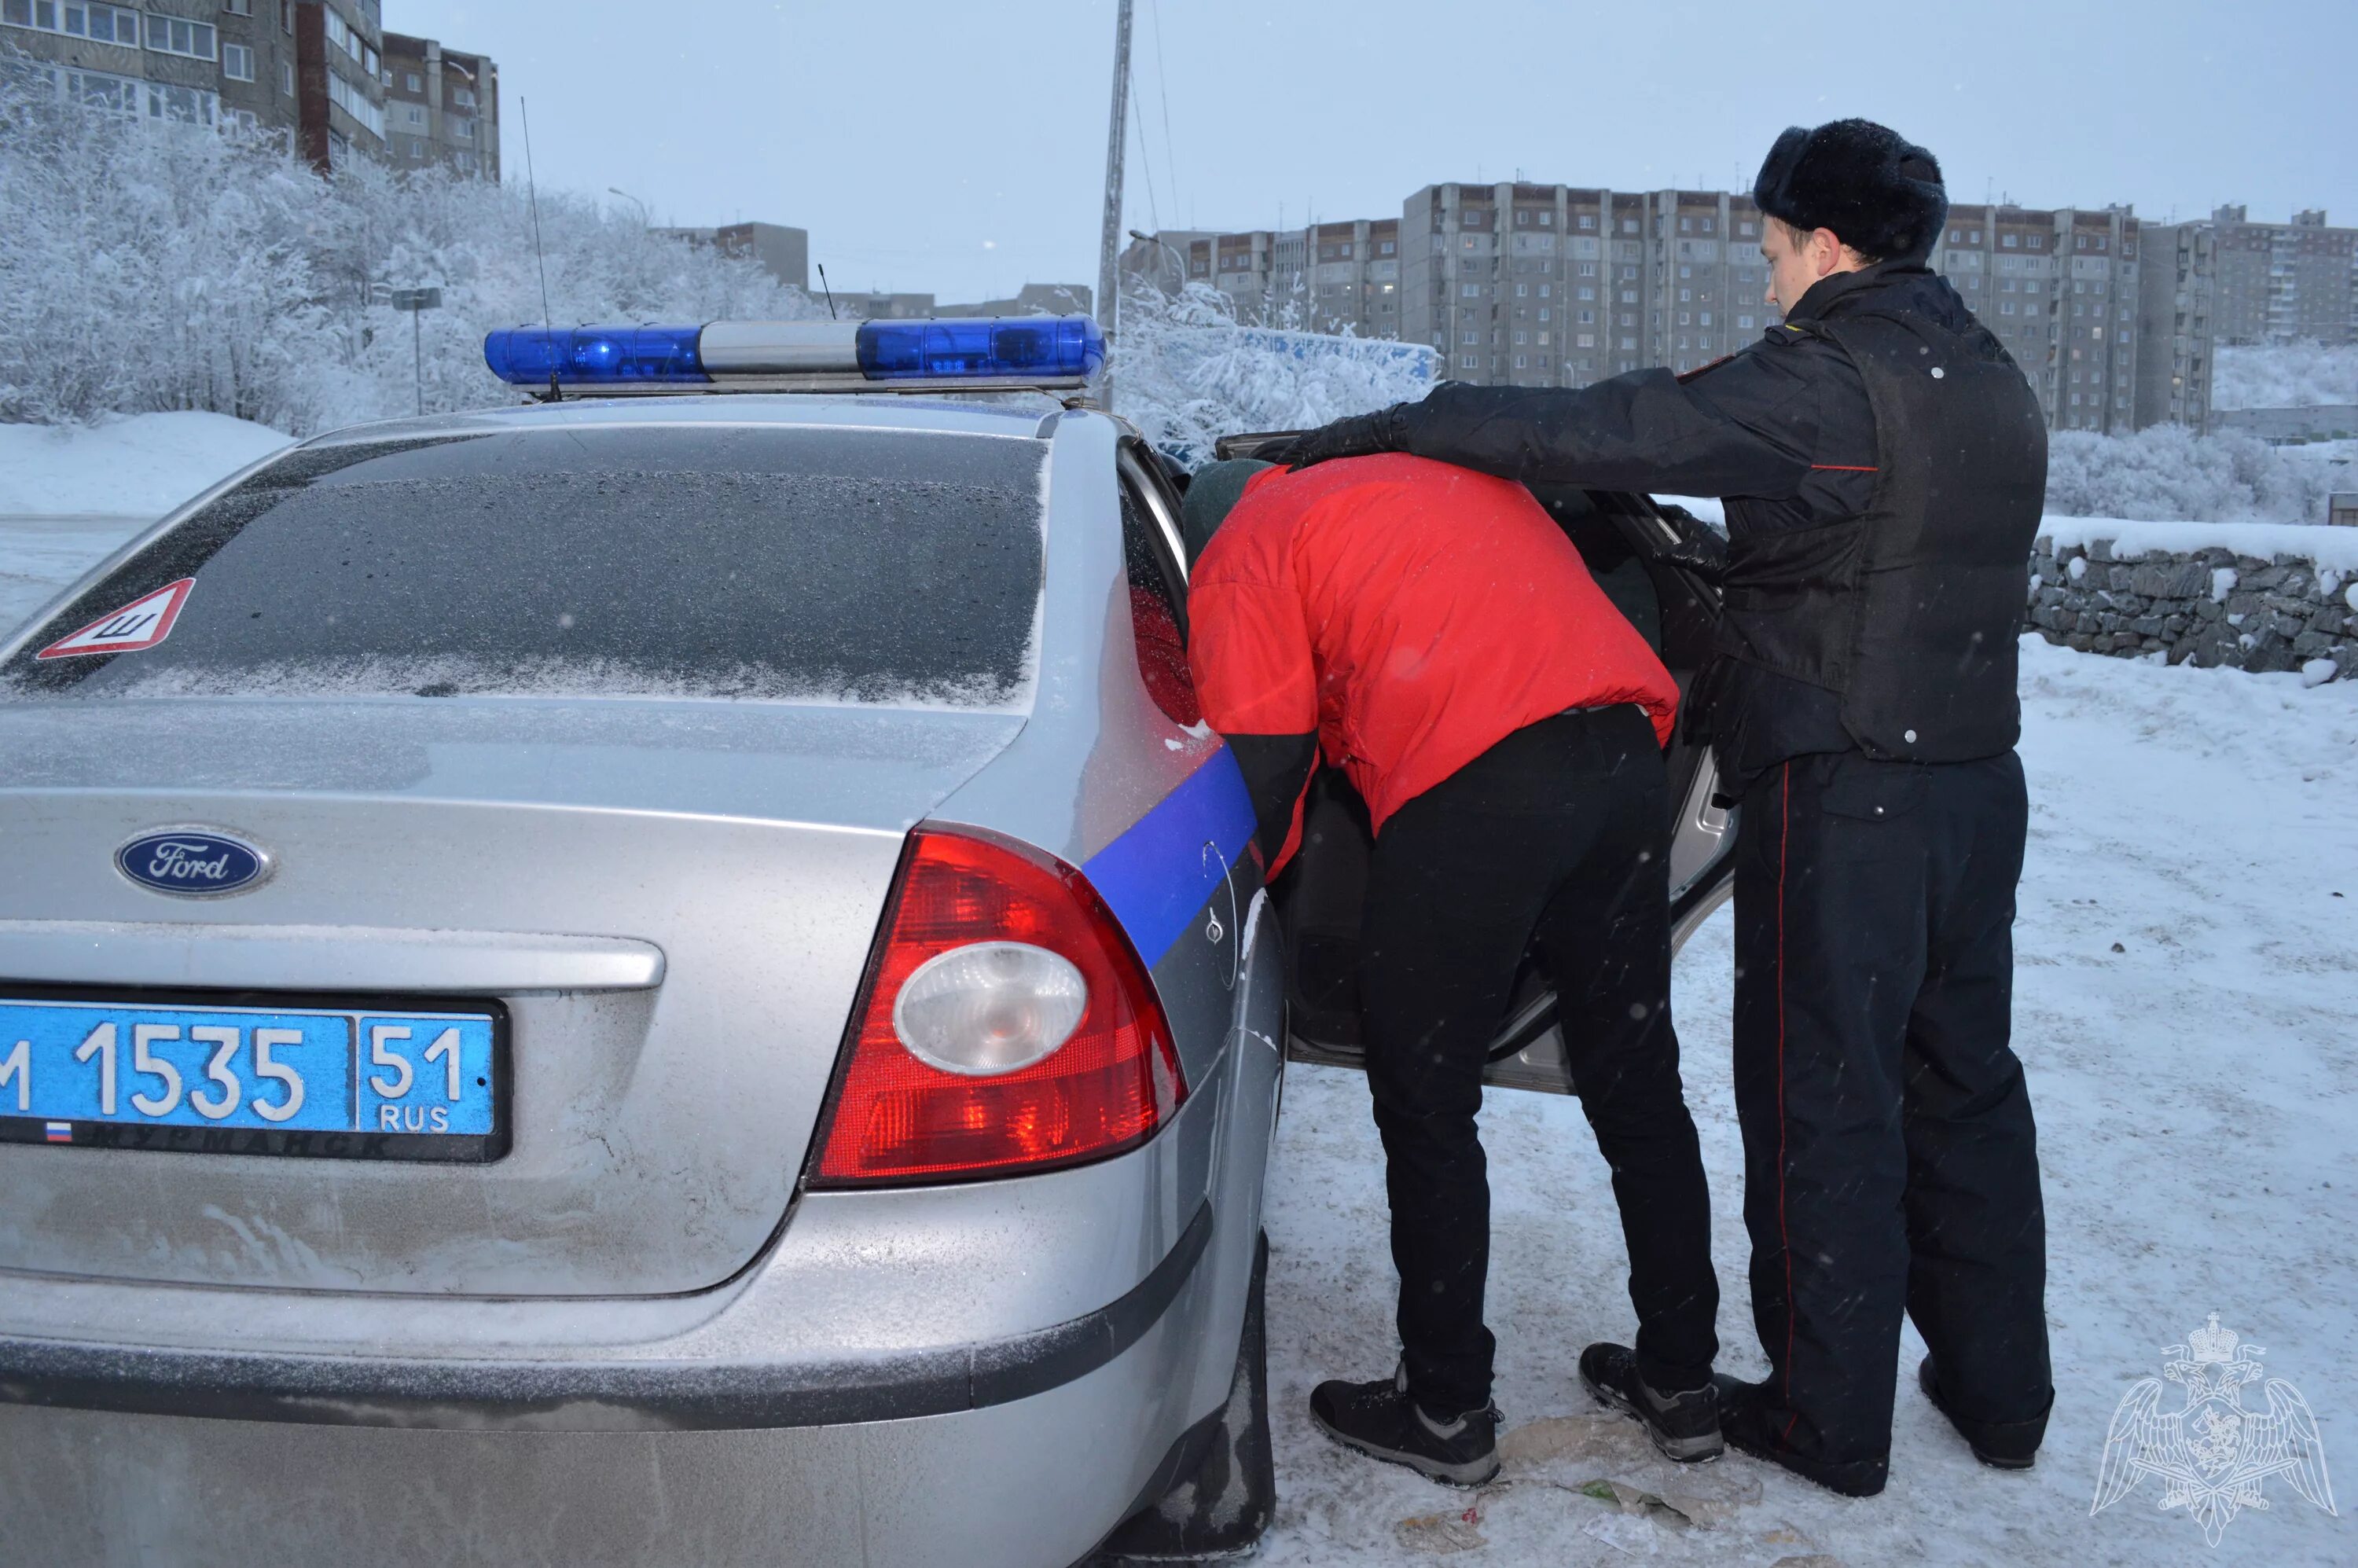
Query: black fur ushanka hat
[(1881, 195)]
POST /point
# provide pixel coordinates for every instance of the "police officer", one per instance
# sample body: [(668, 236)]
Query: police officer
[(1884, 462)]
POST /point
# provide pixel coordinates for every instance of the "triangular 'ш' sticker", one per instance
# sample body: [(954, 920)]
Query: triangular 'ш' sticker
[(142, 623)]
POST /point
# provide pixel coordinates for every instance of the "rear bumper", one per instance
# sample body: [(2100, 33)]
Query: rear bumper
[(1033, 1482), (715, 1394)]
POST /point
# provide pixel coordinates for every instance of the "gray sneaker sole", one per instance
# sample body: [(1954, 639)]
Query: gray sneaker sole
[(1699, 1450), (1472, 1473)]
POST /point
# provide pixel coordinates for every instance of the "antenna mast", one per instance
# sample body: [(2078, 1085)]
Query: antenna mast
[(1109, 229), (531, 193)]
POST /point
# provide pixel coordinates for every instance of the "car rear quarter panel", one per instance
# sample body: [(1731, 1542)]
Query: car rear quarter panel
[(1150, 805)]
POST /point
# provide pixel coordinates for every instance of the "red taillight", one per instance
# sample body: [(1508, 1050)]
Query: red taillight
[(1114, 1080)]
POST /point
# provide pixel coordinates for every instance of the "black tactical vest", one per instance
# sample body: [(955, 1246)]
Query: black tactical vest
[(1910, 610)]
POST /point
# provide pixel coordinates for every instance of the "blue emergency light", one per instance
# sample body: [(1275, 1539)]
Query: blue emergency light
[(1035, 345), (1019, 351), (532, 356)]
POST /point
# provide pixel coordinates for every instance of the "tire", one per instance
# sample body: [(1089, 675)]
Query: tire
[(1224, 1499)]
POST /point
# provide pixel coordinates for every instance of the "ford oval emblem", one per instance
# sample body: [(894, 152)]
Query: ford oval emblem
[(193, 862)]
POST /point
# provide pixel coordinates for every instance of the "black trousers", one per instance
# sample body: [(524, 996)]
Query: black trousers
[(1558, 837), (1890, 1162)]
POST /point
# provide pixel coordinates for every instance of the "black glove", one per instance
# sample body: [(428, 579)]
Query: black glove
[(1700, 549), (1356, 436)]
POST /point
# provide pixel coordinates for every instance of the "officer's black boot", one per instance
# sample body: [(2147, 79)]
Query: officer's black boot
[(1684, 1426), (1750, 1427), (1381, 1421), (2002, 1445)]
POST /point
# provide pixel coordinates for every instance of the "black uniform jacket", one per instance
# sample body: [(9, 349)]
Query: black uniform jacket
[(1783, 430)]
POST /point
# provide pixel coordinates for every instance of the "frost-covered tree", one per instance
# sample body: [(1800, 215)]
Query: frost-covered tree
[(1186, 372), (474, 241), (150, 267), (2284, 375), (147, 267), (2167, 472)]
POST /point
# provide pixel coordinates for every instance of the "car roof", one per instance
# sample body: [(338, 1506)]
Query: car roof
[(1032, 418)]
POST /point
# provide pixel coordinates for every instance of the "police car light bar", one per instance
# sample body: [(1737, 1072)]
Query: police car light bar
[(1033, 352)]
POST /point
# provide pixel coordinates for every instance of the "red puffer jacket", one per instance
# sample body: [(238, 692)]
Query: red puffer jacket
[(1412, 613)]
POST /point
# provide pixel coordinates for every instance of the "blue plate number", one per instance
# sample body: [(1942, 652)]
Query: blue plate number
[(294, 1070)]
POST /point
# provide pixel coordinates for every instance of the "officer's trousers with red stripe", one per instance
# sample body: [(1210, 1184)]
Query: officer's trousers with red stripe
[(1890, 1161)]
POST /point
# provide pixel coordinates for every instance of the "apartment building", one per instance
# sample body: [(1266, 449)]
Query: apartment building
[(1260, 270), (878, 305), (2001, 260), (338, 75), (323, 72), (1353, 278), (784, 253), (1528, 285), (1241, 265), (442, 108), (1327, 277), (1032, 299), (1236, 263), (2177, 301), (2091, 379), (164, 60), (1560, 285), (261, 85), (1160, 260), (2059, 287), (310, 68), (2280, 283)]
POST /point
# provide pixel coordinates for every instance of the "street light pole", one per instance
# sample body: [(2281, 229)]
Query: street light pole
[(616, 190), (1110, 230)]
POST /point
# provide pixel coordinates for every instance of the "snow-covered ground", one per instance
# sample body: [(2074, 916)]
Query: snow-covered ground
[(138, 467), (2188, 976), (71, 494)]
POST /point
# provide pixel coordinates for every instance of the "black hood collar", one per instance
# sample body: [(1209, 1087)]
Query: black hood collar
[(1902, 285)]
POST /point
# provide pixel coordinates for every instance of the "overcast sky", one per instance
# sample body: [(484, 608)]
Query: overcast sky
[(958, 146)]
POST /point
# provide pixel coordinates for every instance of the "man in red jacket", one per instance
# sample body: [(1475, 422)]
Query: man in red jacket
[(1440, 639)]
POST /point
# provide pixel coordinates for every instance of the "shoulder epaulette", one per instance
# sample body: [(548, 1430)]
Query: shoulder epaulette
[(1788, 333)]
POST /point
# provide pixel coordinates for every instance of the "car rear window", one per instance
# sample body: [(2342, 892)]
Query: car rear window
[(836, 566)]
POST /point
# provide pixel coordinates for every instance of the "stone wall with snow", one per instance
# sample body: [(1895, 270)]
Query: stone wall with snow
[(2249, 597)]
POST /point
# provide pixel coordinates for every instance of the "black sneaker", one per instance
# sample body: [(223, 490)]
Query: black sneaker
[(1686, 1427), (1746, 1422), (2001, 1445), (1380, 1419)]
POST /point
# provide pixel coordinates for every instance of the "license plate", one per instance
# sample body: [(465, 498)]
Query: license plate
[(386, 1083)]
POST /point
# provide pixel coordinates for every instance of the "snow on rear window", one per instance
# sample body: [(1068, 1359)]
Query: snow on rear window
[(718, 562)]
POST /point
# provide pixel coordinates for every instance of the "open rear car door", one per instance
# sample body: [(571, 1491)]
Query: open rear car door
[(1630, 544)]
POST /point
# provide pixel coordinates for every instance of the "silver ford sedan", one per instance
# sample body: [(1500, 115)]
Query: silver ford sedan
[(666, 980), (656, 980)]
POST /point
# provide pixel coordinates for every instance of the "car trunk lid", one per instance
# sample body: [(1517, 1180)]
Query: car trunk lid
[(671, 902)]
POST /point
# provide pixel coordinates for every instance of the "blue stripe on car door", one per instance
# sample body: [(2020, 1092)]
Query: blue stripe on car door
[(1156, 875)]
